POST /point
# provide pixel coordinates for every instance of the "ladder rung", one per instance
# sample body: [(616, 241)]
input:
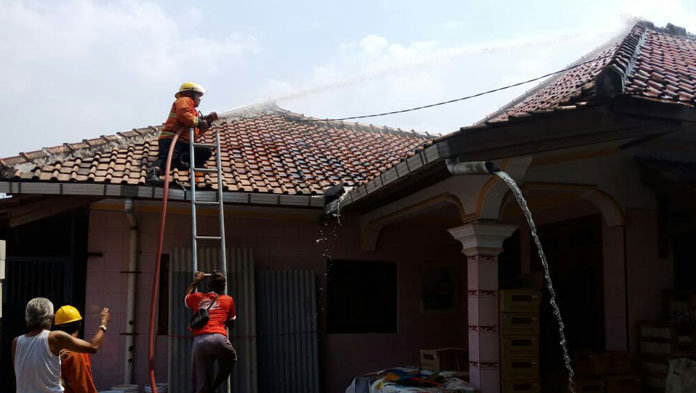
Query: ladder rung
[(204, 145), (207, 202), (205, 169), (208, 238)]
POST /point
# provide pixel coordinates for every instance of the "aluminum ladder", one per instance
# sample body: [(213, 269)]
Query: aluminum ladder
[(195, 237)]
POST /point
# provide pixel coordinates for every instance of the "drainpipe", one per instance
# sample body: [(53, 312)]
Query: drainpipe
[(471, 168), (130, 302)]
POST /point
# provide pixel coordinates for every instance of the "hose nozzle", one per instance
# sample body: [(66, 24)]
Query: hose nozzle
[(471, 168)]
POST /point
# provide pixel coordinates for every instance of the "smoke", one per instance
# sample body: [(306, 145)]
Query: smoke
[(382, 67)]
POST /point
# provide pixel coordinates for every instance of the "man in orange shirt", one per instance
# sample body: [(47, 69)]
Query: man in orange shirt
[(182, 116), (75, 368), (210, 342)]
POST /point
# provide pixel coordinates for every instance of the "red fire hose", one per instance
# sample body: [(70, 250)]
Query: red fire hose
[(158, 259)]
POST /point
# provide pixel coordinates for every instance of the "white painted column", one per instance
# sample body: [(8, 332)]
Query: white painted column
[(482, 242)]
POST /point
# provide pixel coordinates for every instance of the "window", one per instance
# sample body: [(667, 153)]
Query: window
[(361, 296)]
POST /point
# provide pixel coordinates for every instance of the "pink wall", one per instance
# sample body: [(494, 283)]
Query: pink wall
[(287, 241), (413, 248)]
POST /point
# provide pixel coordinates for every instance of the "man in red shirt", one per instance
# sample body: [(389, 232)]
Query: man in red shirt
[(182, 116), (210, 342), (75, 368)]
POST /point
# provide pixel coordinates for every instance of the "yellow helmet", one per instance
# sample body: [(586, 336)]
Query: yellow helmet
[(190, 86), (67, 314)]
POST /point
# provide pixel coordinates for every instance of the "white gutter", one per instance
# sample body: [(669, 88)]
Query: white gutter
[(130, 301)]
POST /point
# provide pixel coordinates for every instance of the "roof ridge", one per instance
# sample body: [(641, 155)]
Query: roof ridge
[(250, 110), (611, 80), (668, 29), (529, 93), (271, 107), (360, 126), (26, 161)]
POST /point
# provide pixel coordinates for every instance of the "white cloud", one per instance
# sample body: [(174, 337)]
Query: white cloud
[(79, 68), (375, 74), (75, 69)]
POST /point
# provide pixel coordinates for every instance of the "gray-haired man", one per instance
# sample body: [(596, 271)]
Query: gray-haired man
[(36, 354)]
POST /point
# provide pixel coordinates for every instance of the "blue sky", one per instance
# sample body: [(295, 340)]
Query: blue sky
[(82, 68)]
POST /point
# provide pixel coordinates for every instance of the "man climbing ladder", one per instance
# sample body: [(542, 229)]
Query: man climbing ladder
[(183, 125), (210, 342), (182, 116)]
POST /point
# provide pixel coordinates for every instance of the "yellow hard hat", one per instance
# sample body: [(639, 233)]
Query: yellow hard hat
[(67, 314), (190, 86)]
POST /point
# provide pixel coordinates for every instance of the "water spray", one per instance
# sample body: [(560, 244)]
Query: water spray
[(436, 58), (488, 168)]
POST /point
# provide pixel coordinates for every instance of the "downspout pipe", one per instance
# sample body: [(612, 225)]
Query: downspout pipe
[(129, 359), (471, 168)]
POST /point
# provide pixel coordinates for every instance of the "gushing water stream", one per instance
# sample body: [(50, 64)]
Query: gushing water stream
[(333, 210), (547, 276)]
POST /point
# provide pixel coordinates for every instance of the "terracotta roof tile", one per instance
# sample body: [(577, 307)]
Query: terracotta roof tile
[(272, 151), (650, 62)]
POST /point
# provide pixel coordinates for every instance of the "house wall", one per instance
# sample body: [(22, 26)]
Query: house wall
[(286, 239), (612, 262), (638, 264), (648, 273), (281, 239)]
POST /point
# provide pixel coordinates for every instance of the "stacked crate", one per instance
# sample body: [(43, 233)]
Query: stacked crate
[(658, 341), (519, 340), (445, 359)]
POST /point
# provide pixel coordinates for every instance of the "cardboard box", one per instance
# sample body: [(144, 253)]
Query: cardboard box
[(519, 324), (515, 367), (520, 300), (454, 359)]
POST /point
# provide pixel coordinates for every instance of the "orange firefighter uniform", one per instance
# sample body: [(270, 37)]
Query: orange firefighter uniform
[(183, 116)]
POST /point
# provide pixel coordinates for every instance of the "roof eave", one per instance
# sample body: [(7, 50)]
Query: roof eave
[(567, 129), (148, 192)]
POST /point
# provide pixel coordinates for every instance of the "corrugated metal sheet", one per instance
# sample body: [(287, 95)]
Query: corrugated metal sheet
[(27, 278), (241, 286), (288, 343)]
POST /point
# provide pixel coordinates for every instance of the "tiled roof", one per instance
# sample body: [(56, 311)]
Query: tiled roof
[(649, 62), (265, 149)]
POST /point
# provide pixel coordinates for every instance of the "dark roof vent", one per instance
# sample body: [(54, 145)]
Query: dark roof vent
[(676, 30), (609, 83)]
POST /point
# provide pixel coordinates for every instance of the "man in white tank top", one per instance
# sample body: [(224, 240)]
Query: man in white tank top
[(35, 354)]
